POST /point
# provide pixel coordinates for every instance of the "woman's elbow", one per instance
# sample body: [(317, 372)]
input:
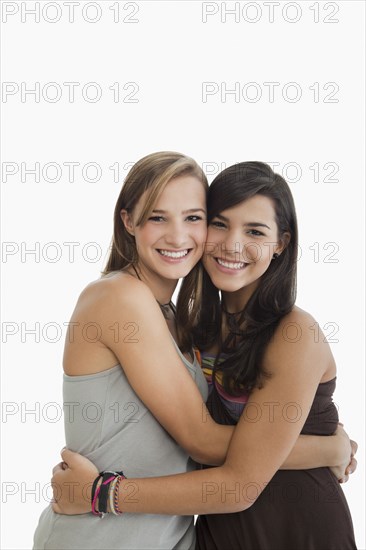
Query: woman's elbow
[(201, 455), (235, 508), (206, 454), (227, 505), (227, 494), (198, 448), (192, 446)]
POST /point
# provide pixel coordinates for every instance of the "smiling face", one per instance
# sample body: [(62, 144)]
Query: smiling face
[(171, 241), (240, 245)]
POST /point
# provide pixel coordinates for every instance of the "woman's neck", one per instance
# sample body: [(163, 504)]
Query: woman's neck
[(235, 302), (162, 289)]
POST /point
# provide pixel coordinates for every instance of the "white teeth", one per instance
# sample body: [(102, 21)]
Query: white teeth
[(231, 265), (172, 254)]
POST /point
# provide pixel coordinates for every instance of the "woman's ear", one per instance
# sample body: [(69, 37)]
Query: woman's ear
[(127, 221), (283, 242)]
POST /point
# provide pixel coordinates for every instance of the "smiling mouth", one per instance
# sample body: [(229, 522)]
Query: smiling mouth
[(175, 255), (231, 265)]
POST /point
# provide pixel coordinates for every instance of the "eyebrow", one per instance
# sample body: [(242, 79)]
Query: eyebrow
[(249, 224), (190, 211)]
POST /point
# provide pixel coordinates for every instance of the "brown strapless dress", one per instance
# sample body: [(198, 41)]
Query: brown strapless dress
[(298, 510)]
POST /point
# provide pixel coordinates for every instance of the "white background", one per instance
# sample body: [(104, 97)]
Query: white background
[(169, 52)]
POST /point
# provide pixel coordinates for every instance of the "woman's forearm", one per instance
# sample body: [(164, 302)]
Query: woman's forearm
[(218, 490), (313, 451), (210, 491), (309, 451)]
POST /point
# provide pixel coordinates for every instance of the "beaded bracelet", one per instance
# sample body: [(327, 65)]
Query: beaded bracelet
[(101, 494), (111, 495), (115, 507)]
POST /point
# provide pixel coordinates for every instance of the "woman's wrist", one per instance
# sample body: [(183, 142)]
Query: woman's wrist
[(105, 493)]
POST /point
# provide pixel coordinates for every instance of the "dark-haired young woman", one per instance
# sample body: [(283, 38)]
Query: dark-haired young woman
[(268, 377)]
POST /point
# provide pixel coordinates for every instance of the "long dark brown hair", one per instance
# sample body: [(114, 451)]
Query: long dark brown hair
[(153, 173), (275, 294)]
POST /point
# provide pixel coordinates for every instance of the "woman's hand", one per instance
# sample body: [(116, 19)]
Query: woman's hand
[(72, 483), (349, 464)]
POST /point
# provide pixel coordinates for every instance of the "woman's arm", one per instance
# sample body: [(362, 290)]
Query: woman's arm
[(135, 334), (256, 451), (163, 383), (317, 451)]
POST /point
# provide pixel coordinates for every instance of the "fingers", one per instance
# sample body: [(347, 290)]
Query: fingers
[(352, 466), (67, 455), (57, 468), (73, 460), (354, 447)]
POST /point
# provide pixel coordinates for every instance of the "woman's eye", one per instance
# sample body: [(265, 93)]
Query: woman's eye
[(255, 232), (156, 218), (194, 218), (217, 223)]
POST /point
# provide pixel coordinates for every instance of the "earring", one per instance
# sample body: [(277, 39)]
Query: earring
[(275, 256)]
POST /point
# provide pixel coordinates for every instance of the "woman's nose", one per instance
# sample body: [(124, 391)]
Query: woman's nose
[(232, 246), (176, 235)]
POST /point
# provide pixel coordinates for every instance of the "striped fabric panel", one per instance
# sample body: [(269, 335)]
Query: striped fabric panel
[(234, 404)]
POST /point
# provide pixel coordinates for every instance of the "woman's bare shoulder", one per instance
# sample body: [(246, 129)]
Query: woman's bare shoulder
[(117, 289), (298, 338), (299, 316), (296, 321)]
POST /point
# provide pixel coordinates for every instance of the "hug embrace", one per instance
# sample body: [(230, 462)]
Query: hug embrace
[(209, 406)]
